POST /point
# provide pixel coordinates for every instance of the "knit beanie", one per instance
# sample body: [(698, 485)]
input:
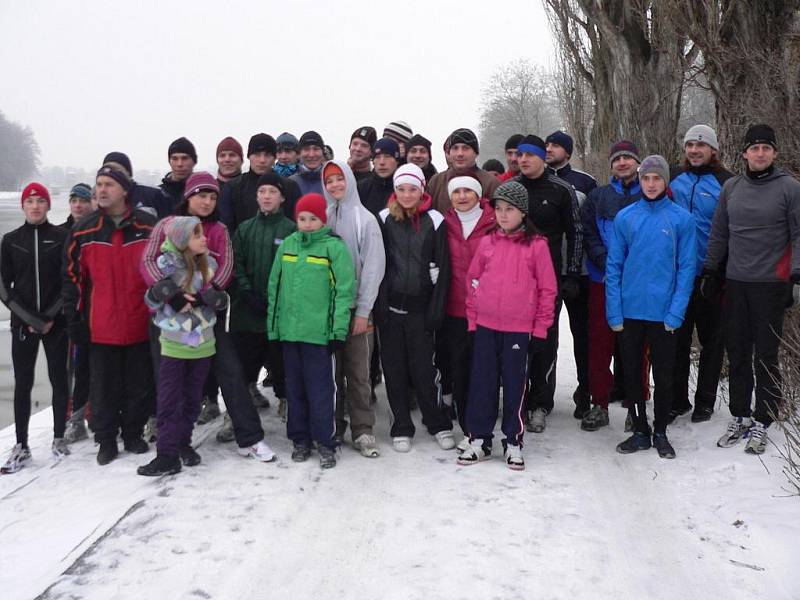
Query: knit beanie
[(81, 190), (701, 133), (760, 134), (655, 164), (513, 141), (286, 141), (262, 142), (464, 182), (313, 203), (623, 148), (514, 193), (464, 136), (180, 229), (182, 146), (121, 159), (117, 174), (366, 133), (327, 152), (532, 144), (331, 168), (399, 131), (230, 144), (411, 174), (311, 138), (386, 145), (418, 140), (35, 189), (273, 179), (201, 181), (560, 139)]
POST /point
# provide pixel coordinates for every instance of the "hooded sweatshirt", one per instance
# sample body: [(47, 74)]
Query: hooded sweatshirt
[(360, 231)]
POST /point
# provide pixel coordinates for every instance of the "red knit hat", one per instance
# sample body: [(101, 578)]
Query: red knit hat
[(231, 145), (313, 203), (35, 189)]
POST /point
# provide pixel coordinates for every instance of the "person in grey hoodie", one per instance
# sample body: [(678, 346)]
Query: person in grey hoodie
[(360, 231), (756, 229)]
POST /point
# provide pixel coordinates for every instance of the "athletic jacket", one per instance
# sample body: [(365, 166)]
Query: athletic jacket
[(375, 191), (437, 185), (511, 285), (757, 226), (101, 279), (461, 253), (650, 268), (582, 183), (412, 246), (152, 199), (359, 229), (173, 190), (697, 190), (307, 181), (311, 289), (597, 216), (30, 273), (237, 201), (255, 245)]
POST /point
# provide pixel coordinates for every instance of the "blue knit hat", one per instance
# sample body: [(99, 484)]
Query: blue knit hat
[(561, 139), (81, 190), (386, 146)]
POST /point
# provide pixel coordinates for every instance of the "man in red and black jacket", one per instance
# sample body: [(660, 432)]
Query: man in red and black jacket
[(103, 296)]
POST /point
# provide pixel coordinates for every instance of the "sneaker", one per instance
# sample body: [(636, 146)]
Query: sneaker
[(702, 414), (514, 458), (151, 430), (20, 456), (300, 453), (367, 446), (136, 446), (445, 439), (259, 399), (736, 430), (537, 420), (161, 465), (595, 418), (756, 439), (638, 441), (225, 433), (327, 457), (582, 404), (662, 445), (678, 411), (628, 423), (76, 429), (463, 444), (60, 448), (108, 452), (401, 444), (189, 457), (260, 451), (282, 409), (209, 412), (477, 452)]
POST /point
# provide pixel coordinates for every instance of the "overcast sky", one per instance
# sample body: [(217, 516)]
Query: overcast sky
[(90, 77)]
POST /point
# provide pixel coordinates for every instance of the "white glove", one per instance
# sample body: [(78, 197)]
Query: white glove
[(617, 328), (434, 271), (669, 329)]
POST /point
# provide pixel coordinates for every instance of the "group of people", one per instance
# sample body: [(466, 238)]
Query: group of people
[(448, 285)]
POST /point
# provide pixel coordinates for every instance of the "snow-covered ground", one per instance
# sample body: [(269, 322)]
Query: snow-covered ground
[(582, 522)]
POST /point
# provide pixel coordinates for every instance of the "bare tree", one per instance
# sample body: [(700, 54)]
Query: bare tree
[(19, 154), (519, 98)]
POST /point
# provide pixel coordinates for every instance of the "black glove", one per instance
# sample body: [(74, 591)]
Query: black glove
[(570, 287), (177, 301), (536, 345), (78, 332), (255, 302), (335, 345), (214, 298), (163, 290), (709, 285)]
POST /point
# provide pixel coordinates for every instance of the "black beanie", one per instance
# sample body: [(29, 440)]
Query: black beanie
[(366, 133), (311, 138), (560, 139), (273, 179), (418, 140), (121, 159), (513, 141), (262, 142), (760, 134), (182, 146), (464, 136)]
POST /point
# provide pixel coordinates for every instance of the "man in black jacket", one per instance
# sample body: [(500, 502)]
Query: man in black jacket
[(375, 189), (182, 160), (30, 286)]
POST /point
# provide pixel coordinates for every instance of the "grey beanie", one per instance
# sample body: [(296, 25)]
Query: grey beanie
[(180, 229), (514, 193), (701, 133), (655, 164)]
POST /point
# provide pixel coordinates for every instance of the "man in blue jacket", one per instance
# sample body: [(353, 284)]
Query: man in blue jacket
[(650, 272), (696, 188)]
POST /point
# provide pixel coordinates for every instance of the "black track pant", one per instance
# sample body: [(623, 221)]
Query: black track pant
[(459, 363), (542, 369), (255, 350), (24, 349), (753, 325), (578, 311)]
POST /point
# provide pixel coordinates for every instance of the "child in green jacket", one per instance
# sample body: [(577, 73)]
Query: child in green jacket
[(311, 289)]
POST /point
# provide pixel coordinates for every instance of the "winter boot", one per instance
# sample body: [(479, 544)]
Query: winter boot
[(478, 451), (225, 433), (736, 430), (136, 446), (108, 452), (327, 457), (20, 456), (638, 441), (581, 399), (595, 418), (209, 411), (189, 457), (662, 445), (300, 453), (161, 465), (259, 399), (367, 446), (76, 427), (701, 413), (756, 438), (537, 420)]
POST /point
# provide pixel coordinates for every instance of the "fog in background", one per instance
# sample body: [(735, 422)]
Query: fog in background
[(90, 77)]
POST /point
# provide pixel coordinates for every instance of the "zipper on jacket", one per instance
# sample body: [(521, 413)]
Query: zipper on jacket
[(36, 268), (691, 196)]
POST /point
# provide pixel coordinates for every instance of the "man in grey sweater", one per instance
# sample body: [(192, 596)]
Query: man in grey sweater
[(756, 228)]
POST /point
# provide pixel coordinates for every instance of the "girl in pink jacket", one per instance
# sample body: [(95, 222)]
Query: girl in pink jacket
[(510, 305)]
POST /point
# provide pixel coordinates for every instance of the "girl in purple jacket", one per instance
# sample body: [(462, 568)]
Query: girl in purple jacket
[(510, 304)]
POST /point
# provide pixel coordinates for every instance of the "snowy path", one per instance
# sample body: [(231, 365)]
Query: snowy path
[(580, 522)]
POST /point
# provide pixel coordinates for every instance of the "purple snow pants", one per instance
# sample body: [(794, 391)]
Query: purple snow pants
[(180, 394)]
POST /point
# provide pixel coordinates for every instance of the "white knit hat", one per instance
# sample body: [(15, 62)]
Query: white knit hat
[(411, 174), (701, 133), (464, 182)]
